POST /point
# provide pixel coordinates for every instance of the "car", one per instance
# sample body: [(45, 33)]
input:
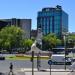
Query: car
[(59, 59)]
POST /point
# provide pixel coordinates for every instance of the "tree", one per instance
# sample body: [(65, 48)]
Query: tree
[(26, 43), (50, 41), (10, 37), (70, 40), (59, 42)]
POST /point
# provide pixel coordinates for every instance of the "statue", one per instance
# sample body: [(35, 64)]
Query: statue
[(38, 40)]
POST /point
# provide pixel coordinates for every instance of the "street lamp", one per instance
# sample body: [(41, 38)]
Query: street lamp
[(65, 50), (65, 34)]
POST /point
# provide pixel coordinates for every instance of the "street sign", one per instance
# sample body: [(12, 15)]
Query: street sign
[(49, 62)]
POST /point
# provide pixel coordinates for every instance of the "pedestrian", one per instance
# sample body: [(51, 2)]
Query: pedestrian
[(11, 68)]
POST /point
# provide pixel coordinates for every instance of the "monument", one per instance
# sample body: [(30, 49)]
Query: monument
[(38, 40)]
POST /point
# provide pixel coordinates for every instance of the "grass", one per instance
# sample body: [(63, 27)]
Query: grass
[(24, 58), (27, 57)]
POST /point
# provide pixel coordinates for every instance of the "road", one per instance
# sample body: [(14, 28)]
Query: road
[(18, 64)]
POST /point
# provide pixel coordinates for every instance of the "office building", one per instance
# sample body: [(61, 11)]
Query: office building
[(52, 20), (25, 24), (3, 24)]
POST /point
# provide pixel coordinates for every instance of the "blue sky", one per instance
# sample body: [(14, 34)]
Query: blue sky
[(29, 8)]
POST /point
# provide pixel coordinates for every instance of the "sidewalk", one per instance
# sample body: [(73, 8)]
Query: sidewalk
[(28, 71), (44, 70)]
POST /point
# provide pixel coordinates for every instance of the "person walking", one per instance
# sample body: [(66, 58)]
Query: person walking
[(11, 68)]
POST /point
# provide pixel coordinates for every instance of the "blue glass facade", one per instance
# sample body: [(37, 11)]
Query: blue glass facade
[(52, 20)]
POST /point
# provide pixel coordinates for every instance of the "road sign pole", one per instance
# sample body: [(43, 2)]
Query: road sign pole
[(50, 62), (50, 69)]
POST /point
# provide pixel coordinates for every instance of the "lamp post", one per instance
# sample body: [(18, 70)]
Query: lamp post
[(65, 51), (66, 34)]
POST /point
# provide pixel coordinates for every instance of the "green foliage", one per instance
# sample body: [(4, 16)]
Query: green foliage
[(32, 38), (71, 40), (10, 37), (26, 43), (50, 41), (71, 36), (59, 42)]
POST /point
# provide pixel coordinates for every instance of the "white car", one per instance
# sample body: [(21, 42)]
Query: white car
[(60, 59)]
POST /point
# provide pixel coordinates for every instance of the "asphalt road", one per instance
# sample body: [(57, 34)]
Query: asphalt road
[(18, 64)]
